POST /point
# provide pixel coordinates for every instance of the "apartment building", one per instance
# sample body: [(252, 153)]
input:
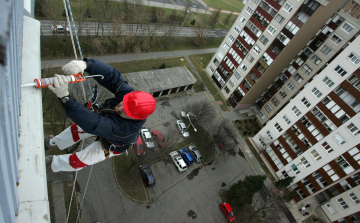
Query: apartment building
[(315, 138), (262, 43)]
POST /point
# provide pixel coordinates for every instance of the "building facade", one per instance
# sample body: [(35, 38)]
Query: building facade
[(296, 64)]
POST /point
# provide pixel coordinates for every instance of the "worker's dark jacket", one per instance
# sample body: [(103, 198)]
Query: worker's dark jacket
[(107, 124)]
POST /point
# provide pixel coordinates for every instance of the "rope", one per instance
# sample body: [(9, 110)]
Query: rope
[(67, 11)]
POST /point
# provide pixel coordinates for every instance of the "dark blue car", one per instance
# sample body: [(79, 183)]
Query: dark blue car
[(186, 155)]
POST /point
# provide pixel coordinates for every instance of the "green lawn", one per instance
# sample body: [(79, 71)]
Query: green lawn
[(200, 67), (228, 5), (129, 181)]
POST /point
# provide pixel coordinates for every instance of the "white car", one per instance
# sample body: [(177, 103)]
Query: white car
[(178, 161), (59, 29), (195, 152), (182, 127), (146, 137)]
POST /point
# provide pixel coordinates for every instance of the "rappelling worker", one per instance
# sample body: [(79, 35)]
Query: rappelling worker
[(116, 124)]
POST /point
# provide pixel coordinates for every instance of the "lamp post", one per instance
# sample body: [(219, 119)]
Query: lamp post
[(190, 123), (185, 18)]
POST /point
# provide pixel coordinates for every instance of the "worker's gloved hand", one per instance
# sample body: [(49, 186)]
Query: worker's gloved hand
[(60, 87), (74, 67)]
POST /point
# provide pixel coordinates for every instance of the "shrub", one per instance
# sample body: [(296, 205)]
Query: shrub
[(283, 183), (245, 121), (240, 121), (250, 132), (245, 133), (256, 131), (247, 127), (239, 127), (162, 66)]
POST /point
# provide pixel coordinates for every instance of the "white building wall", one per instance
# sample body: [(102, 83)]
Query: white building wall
[(306, 92)]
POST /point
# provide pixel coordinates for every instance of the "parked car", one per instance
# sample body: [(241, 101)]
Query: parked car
[(184, 114), (186, 155), (159, 138), (228, 212), (182, 127), (219, 140), (59, 29), (147, 175), (196, 153), (146, 137), (139, 147), (178, 161)]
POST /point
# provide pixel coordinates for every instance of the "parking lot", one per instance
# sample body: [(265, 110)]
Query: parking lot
[(176, 197)]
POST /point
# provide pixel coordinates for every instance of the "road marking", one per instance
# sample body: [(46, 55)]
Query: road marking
[(234, 136)]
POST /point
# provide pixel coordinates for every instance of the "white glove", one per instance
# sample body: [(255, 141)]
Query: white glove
[(61, 85), (74, 67)]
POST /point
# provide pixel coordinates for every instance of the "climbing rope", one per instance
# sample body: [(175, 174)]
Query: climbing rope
[(68, 11)]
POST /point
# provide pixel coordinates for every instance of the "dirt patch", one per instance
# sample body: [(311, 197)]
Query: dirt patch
[(247, 128)]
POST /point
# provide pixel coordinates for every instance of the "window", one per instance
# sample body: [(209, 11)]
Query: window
[(341, 71), (231, 82), (243, 20), (290, 86), (305, 102), (263, 39), (243, 66), (278, 127), (221, 54), (325, 50), (299, 61), (292, 27), (315, 59), (307, 51), (237, 75), (354, 198), (256, 49), (347, 27), (338, 138), (237, 29), (296, 111), (295, 169), (261, 114), (282, 94), (283, 38), (268, 108), (216, 62), (336, 39), (304, 162), (249, 10), (226, 90), (271, 29), (256, 1), (288, 7), (226, 46), (286, 120), (231, 38), (268, 133), (211, 69), (315, 155), (342, 203), (327, 147), (353, 129), (253, 28), (278, 18), (298, 78), (316, 92), (275, 101), (328, 82), (250, 58), (354, 58), (306, 69)]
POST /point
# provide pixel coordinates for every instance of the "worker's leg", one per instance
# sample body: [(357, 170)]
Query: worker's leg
[(92, 154), (69, 137)]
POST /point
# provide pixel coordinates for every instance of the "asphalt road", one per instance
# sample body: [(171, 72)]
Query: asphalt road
[(93, 29)]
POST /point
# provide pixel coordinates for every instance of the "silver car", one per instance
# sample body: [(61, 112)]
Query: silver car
[(146, 137), (182, 127), (196, 153), (178, 161)]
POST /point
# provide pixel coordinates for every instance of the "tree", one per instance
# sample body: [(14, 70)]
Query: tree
[(284, 183), (192, 22), (264, 143), (201, 34), (227, 19), (203, 111), (242, 192), (214, 19)]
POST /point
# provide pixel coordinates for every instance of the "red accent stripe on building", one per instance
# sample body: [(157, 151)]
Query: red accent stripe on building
[(243, 88), (75, 162), (257, 23), (274, 4)]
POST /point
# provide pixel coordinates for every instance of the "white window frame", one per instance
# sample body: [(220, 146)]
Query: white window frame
[(278, 127), (315, 155), (268, 108), (279, 17), (249, 10), (296, 111), (354, 198), (268, 133), (325, 50), (306, 69), (288, 7), (315, 59), (257, 49), (226, 46), (261, 115), (328, 82), (353, 129), (339, 70), (316, 92), (340, 201), (339, 139), (290, 86), (305, 102), (347, 27), (271, 29), (336, 39), (304, 162), (237, 29), (354, 58), (237, 75), (286, 120), (231, 38)]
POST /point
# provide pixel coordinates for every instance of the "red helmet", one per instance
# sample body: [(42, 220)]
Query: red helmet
[(139, 105)]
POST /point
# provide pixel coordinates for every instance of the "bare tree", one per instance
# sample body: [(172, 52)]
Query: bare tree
[(214, 19), (264, 143), (227, 19), (201, 34), (203, 111)]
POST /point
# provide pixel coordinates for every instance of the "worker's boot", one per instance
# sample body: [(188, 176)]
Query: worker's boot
[(47, 142), (48, 160)]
